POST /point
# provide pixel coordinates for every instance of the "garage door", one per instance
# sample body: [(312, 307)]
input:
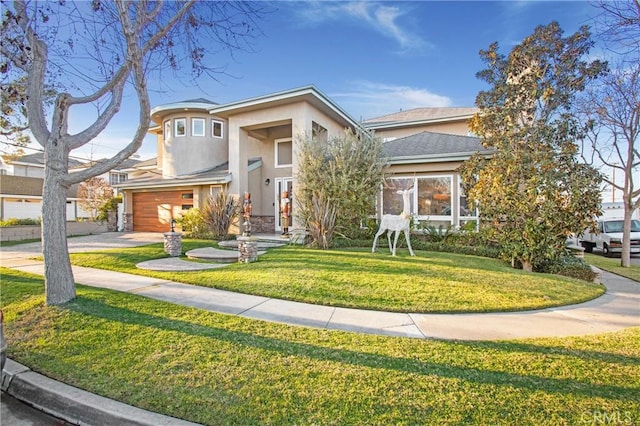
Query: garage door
[(152, 211)]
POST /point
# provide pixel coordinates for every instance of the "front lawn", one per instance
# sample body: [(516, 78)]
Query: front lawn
[(428, 283), (612, 264), (217, 369)]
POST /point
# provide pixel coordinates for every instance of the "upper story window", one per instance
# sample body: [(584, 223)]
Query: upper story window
[(181, 126), (197, 127), (319, 132), (115, 178), (284, 152), (167, 129), (217, 128)]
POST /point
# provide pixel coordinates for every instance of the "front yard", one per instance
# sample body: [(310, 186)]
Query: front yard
[(431, 282), (218, 369)]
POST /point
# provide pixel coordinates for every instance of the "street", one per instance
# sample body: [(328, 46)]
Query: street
[(15, 413)]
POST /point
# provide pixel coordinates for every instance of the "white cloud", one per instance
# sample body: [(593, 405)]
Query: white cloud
[(369, 99), (379, 17)]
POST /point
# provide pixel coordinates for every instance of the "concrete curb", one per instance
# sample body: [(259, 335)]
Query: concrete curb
[(75, 405)]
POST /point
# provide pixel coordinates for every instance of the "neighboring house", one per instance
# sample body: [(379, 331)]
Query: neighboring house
[(32, 165), (21, 198), (251, 145)]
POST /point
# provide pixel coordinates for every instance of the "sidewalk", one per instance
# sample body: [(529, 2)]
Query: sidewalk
[(618, 308)]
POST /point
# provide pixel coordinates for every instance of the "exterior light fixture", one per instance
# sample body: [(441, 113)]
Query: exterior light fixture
[(267, 181), (173, 225)]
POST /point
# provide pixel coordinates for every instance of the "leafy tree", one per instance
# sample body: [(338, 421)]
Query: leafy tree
[(99, 51), (337, 182), (93, 194), (532, 192)]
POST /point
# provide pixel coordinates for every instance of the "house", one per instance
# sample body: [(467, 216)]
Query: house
[(21, 198), (249, 146)]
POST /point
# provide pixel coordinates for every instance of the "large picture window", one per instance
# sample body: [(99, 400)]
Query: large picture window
[(197, 127), (181, 127), (392, 202), (284, 152), (434, 196)]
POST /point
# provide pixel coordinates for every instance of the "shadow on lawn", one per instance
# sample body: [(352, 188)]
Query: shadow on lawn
[(100, 309)]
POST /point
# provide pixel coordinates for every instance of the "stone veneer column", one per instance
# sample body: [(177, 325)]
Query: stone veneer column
[(173, 243), (247, 249)]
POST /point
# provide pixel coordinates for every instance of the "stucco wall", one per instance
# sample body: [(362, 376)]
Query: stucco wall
[(455, 128)]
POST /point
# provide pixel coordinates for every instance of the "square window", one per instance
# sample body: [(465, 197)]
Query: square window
[(197, 127), (167, 130), (434, 196), (284, 152), (181, 126), (216, 128)]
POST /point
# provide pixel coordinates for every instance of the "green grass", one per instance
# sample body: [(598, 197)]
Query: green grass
[(219, 369), (356, 278), (15, 243), (613, 265)]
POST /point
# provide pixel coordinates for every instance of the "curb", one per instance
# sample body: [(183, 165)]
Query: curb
[(75, 405)]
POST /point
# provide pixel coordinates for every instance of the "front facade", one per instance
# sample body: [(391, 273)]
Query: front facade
[(241, 147)]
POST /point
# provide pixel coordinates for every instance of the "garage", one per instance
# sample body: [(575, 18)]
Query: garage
[(153, 211)]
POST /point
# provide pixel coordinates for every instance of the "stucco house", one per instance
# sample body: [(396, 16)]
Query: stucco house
[(251, 146)]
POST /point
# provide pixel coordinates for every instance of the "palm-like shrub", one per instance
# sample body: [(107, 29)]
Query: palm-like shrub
[(219, 213)]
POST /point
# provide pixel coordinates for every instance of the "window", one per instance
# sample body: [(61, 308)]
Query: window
[(392, 202), (181, 126), (284, 152), (434, 196), (197, 127), (465, 210), (187, 196), (319, 133), (167, 130), (216, 129), (115, 178)]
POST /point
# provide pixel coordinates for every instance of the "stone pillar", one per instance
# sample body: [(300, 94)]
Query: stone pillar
[(128, 222), (247, 249), (173, 243)]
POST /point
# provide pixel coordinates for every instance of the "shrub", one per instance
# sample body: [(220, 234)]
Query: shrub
[(12, 221), (219, 213), (109, 205), (193, 225), (569, 266)]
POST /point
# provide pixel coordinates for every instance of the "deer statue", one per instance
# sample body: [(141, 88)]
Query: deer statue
[(396, 223)]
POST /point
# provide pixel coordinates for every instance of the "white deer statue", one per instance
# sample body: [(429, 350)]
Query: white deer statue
[(396, 223)]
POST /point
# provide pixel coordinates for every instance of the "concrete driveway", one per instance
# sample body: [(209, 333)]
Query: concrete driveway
[(108, 240)]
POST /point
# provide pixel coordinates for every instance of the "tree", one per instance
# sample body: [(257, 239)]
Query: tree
[(116, 46), (612, 110), (532, 193), (618, 26), (337, 183), (93, 194)]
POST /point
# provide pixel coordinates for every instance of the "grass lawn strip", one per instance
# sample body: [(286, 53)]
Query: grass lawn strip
[(218, 369), (613, 265), (355, 278)]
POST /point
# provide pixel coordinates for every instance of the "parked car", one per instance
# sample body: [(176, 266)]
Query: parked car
[(608, 238)]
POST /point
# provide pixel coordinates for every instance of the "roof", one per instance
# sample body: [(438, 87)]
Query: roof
[(425, 114), (126, 164), (199, 104), (37, 158), (309, 93), (218, 174), (430, 147)]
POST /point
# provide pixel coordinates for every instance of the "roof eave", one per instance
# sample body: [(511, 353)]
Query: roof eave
[(173, 183), (435, 158)]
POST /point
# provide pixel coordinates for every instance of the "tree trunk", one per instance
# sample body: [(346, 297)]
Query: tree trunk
[(625, 257), (58, 276), (527, 266)]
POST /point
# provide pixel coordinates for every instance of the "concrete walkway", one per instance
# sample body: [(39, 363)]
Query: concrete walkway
[(618, 308)]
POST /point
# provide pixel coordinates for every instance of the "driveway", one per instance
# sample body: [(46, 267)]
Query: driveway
[(108, 240)]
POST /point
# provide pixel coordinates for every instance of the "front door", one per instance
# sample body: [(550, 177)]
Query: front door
[(283, 205)]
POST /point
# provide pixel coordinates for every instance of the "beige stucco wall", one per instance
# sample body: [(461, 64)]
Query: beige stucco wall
[(187, 154)]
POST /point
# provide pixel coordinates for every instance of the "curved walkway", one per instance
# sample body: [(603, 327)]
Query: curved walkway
[(618, 308)]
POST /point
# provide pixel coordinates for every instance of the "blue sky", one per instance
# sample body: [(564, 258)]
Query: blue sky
[(370, 57)]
